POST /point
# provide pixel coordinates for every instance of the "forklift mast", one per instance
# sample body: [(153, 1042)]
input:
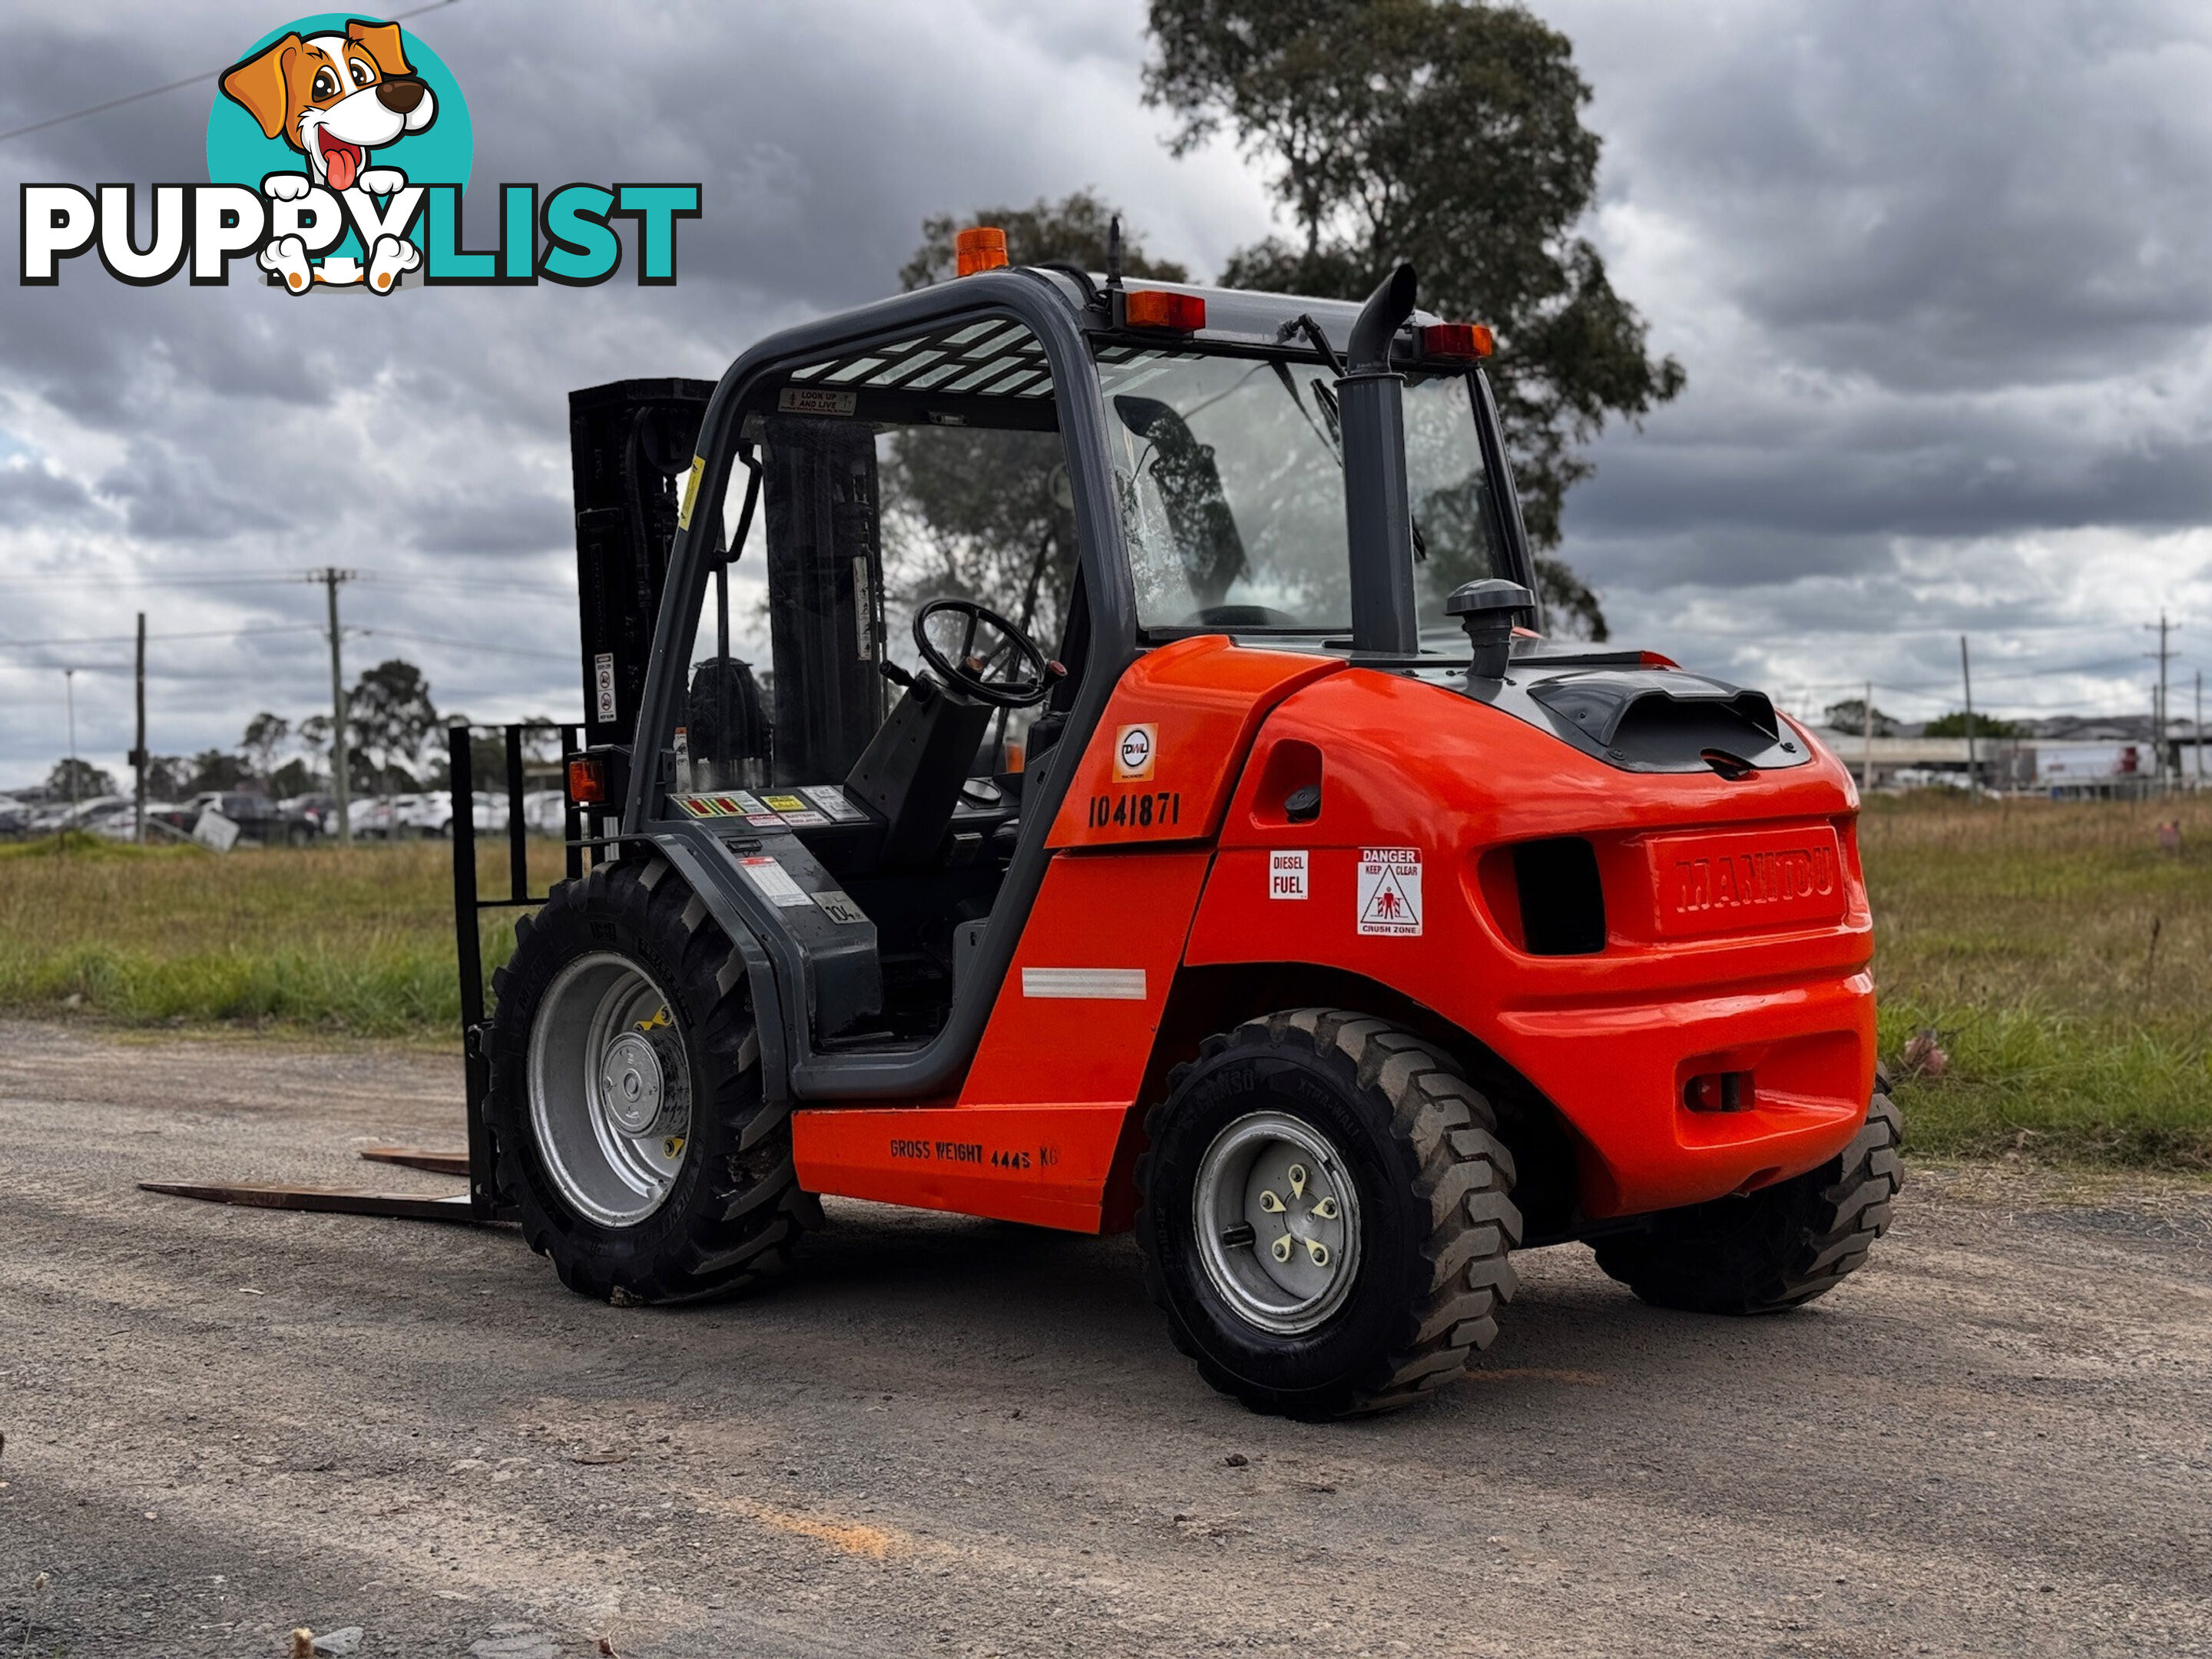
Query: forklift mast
[(629, 443)]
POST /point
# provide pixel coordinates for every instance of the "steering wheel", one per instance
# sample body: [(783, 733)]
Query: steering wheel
[(971, 674)]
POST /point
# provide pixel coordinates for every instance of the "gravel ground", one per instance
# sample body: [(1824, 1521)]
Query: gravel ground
[(953, 1437)]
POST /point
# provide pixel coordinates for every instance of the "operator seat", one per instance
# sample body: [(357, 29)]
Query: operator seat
[(912, 771)]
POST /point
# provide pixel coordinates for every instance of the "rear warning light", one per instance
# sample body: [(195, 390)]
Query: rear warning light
[(981, 248), (1178, 313), (587, 781), (1465, 341)]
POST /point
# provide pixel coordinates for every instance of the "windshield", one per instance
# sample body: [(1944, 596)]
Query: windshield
[(1230, 477)]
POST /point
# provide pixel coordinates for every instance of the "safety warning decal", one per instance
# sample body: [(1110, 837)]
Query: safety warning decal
[(814, 400), (1390, 891), (603, 685), (1286, 875), (831, 799), (774, 883)]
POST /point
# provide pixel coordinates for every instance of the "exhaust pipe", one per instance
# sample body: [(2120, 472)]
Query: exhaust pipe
[(1377, 507)]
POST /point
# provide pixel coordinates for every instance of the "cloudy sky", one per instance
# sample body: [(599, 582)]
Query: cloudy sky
[(1941, 277)]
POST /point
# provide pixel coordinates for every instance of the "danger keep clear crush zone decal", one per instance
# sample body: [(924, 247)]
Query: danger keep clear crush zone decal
[(1390, 891)]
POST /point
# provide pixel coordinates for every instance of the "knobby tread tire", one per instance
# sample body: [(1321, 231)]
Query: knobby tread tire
[(1776, 1249), (736, 1209), (1440, 1140)]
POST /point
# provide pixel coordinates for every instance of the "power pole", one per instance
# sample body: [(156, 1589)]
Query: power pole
[(138, 754), (2157, 723), (69, 687), (1866, 739), (1967, 673), (2198, 724), (332, 579)]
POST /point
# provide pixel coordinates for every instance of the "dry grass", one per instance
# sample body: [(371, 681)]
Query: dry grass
[(325, 939), (2021, 934), (2064, 962)]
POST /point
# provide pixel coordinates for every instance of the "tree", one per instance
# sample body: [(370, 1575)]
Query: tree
[(265, 734), (217, 768), (89, 781), (168, 777), (982, 514), (294, 777), (1447, 132), (1074, 228), (389, 715), (1850, 715), (1953, 724)]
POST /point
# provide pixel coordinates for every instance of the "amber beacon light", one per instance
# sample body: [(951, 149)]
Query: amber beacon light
[(981, 248)]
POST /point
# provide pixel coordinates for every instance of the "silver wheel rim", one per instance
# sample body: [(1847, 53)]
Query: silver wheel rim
[(1277, 1219), (609, 1089)]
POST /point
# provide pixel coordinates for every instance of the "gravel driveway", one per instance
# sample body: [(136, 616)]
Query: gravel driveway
[(954, 1436)]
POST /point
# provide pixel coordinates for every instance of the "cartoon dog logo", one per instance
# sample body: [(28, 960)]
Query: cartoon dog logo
[(335, 98)]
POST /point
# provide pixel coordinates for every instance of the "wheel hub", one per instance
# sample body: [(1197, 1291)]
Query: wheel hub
[(1276, 1216), (609, 1089), (632, 1084)]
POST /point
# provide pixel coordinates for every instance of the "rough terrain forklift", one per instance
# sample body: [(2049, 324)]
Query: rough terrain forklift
[(1295, 900)]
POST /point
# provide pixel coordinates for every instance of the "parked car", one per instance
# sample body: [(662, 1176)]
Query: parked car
[(14, 817), (121, 823), (259, 817), (546, 812), (316, 815), (57, 815), (372, 817)]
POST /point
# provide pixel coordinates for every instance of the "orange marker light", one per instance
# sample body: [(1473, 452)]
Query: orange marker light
[(1465, 341), (587, 781), (1179, 314), (983, 247)]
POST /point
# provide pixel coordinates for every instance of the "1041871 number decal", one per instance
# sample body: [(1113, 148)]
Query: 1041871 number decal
[(1152, 810)]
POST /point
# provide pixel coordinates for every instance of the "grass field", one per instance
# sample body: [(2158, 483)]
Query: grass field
[(2064, 964), (2063, 961), (358, 942)]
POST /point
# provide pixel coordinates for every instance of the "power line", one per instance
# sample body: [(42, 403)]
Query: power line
[(200, 634), (172, 86), (468, 645)]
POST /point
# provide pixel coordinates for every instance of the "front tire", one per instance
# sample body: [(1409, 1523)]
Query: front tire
[(629, 1128), (1776, 1249), (1325, 1214)]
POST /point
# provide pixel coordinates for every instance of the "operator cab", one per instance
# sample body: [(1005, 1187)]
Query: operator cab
[(854, 713), (896, 616)]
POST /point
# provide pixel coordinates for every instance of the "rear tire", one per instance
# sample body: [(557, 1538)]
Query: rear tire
[(1776, 1249), (1324, 1129), (686, 1187)]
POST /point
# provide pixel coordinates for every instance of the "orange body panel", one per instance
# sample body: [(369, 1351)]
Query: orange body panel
[(1756, 971), (1738, 937), (1044, 1165), (1193, 706), (1044, 1106)]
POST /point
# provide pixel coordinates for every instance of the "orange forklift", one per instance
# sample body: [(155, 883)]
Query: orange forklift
[(1271, 884)]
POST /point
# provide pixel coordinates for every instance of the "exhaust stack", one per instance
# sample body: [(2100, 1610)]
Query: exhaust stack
[(1378, 511)]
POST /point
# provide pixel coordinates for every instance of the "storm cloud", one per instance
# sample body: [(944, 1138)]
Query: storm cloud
[(1942, 278)]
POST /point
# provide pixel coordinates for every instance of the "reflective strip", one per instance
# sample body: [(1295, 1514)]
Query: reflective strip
[(1090, 984)]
